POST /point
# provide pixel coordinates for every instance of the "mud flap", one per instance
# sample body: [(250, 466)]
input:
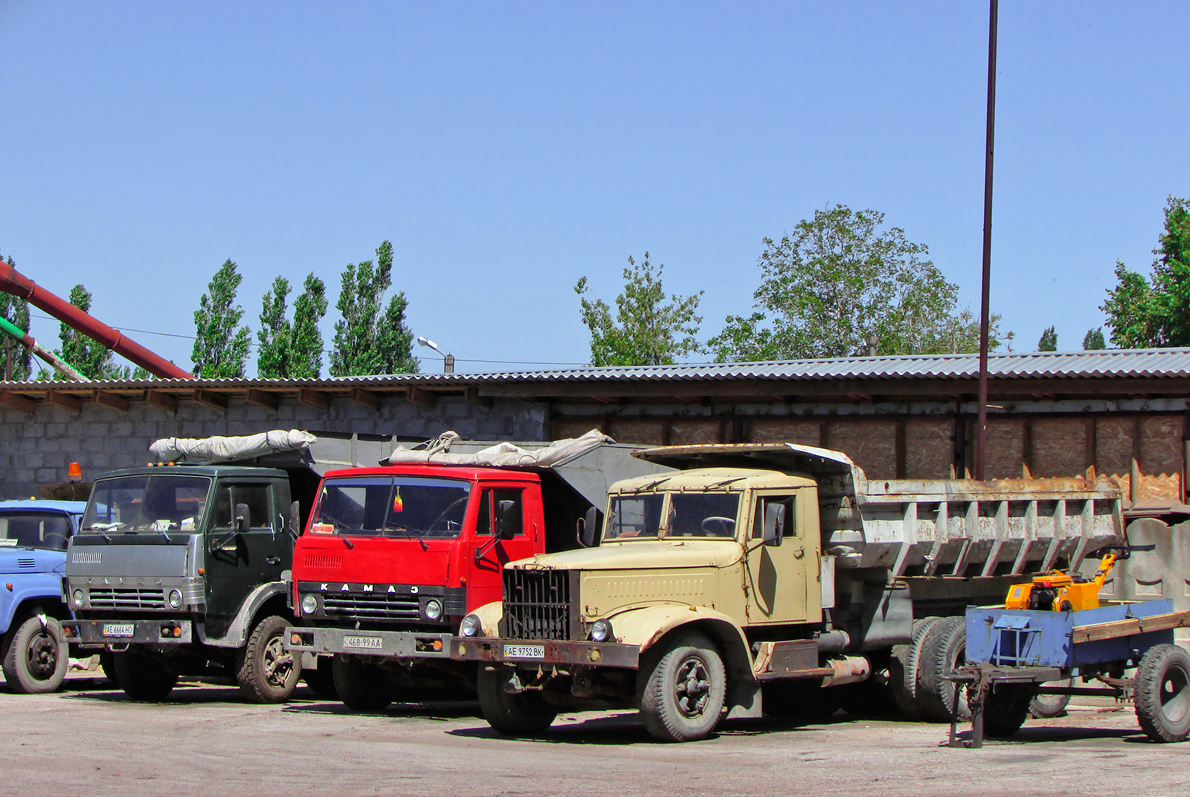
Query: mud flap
[(744, 699)]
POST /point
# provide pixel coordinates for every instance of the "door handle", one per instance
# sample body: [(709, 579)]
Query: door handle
[(799, 553), (273, 560)]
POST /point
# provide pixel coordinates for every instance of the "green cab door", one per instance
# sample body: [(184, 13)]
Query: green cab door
[(238, 561)]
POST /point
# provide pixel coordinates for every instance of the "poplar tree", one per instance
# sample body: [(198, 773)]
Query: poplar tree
[(18, 361), (367, 340), (221, 346)]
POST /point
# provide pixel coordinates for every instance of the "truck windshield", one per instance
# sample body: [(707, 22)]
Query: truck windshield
[(34, 530), (391, 506), (690, 515), (147, 503)]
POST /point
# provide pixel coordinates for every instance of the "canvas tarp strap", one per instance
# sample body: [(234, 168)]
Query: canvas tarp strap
[(230, 449), (501, 455)]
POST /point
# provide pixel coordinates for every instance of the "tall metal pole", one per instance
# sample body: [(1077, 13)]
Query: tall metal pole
[(981, 440)]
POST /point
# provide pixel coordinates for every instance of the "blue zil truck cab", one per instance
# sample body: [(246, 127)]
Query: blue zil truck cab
[(33, 537)]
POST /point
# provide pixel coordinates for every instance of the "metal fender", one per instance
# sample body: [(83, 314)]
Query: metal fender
[(647, 625), (44, 589), (237, 632), (489, 614)]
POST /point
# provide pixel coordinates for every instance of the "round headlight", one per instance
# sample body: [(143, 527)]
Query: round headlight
[(433, 610), (78, 597), (601, 630), (471, 626), (309, 604), (175, 599)]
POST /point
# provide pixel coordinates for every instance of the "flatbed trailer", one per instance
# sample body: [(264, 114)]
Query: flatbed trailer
[(1011, 653)]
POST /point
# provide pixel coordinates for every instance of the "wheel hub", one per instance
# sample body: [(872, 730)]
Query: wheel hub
[(42, 655), (692, 687), (1175, 695), (277, 663)]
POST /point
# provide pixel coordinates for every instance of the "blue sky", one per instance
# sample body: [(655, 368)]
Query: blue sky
[(508, 149)]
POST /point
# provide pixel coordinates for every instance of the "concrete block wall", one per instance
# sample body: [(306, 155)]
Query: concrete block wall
[(36, 449)]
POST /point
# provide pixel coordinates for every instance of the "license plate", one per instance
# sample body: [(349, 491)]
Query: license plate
[(524, 651), (118, 629), (369, 642)]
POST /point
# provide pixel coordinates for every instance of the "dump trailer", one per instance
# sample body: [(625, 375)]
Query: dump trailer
[(770, 577), (179, 568), (395, 556)]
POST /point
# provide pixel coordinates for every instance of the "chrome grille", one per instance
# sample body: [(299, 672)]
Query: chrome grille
[(537, 604), (126, 598)]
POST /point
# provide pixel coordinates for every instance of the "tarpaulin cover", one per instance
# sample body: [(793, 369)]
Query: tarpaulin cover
[(230, 449), (501, 455)]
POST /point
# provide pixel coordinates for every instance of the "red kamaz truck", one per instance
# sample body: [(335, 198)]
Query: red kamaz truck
[(394, 557)]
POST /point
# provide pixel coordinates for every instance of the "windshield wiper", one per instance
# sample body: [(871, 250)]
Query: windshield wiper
[(650, 485)]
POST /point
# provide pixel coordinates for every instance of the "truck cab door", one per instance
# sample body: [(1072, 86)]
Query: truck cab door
[(782, 578), (238, 560), (495, 543)]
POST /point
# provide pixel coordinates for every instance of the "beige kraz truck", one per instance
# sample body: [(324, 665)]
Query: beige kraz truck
[(774, 578)]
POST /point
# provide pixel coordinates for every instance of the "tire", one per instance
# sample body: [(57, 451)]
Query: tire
[(1044, 707), (800, 700), (360, 685), (1163, 693), (683, 694), (1006, 708), (905, 669), (942, 651), (107, 663), (143, 677), (265, 671), (520, 714), (37, 657), (322, 678)]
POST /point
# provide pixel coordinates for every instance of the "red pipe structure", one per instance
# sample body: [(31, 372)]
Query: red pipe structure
[(11, 281)]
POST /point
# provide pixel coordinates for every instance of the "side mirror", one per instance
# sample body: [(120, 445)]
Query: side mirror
[(774, 523), (507, 516), (587, 529), (295, 520), (243, 520)]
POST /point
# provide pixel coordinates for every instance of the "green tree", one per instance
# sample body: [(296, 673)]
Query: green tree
[(1093, 340), (305, 347), (841, 278), (1048, 341), (275, 333), (647, 329), (18, 361), (1155, 312), (221, 347), (367, 341), (291, 350), (80, 351)]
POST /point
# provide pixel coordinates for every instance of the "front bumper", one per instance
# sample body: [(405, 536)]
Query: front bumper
[(128, 632), (522, 652), (386, 644)]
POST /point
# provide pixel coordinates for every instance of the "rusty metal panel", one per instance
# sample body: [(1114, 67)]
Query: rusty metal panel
[(1006, 448), (1160, 461)]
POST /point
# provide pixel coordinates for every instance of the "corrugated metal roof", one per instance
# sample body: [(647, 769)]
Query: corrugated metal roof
[(1119, 363)]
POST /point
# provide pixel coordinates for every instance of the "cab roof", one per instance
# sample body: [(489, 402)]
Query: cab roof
[(40, 505), (469, 472), (735, 479)]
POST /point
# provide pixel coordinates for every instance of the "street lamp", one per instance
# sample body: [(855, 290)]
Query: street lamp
[(448, 360)]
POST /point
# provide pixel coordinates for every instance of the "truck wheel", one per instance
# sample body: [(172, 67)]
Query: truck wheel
[(266, 671), (1006, 708), (683, 696), (107, 663), (36, 660), (800, 700), (905, 669), (143, 677), (943, 650), (322, 678), (1163, 693), (360, 685), (515, 714), (1049, 706)]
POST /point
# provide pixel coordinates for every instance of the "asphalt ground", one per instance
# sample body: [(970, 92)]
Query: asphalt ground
[(89, 739)]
